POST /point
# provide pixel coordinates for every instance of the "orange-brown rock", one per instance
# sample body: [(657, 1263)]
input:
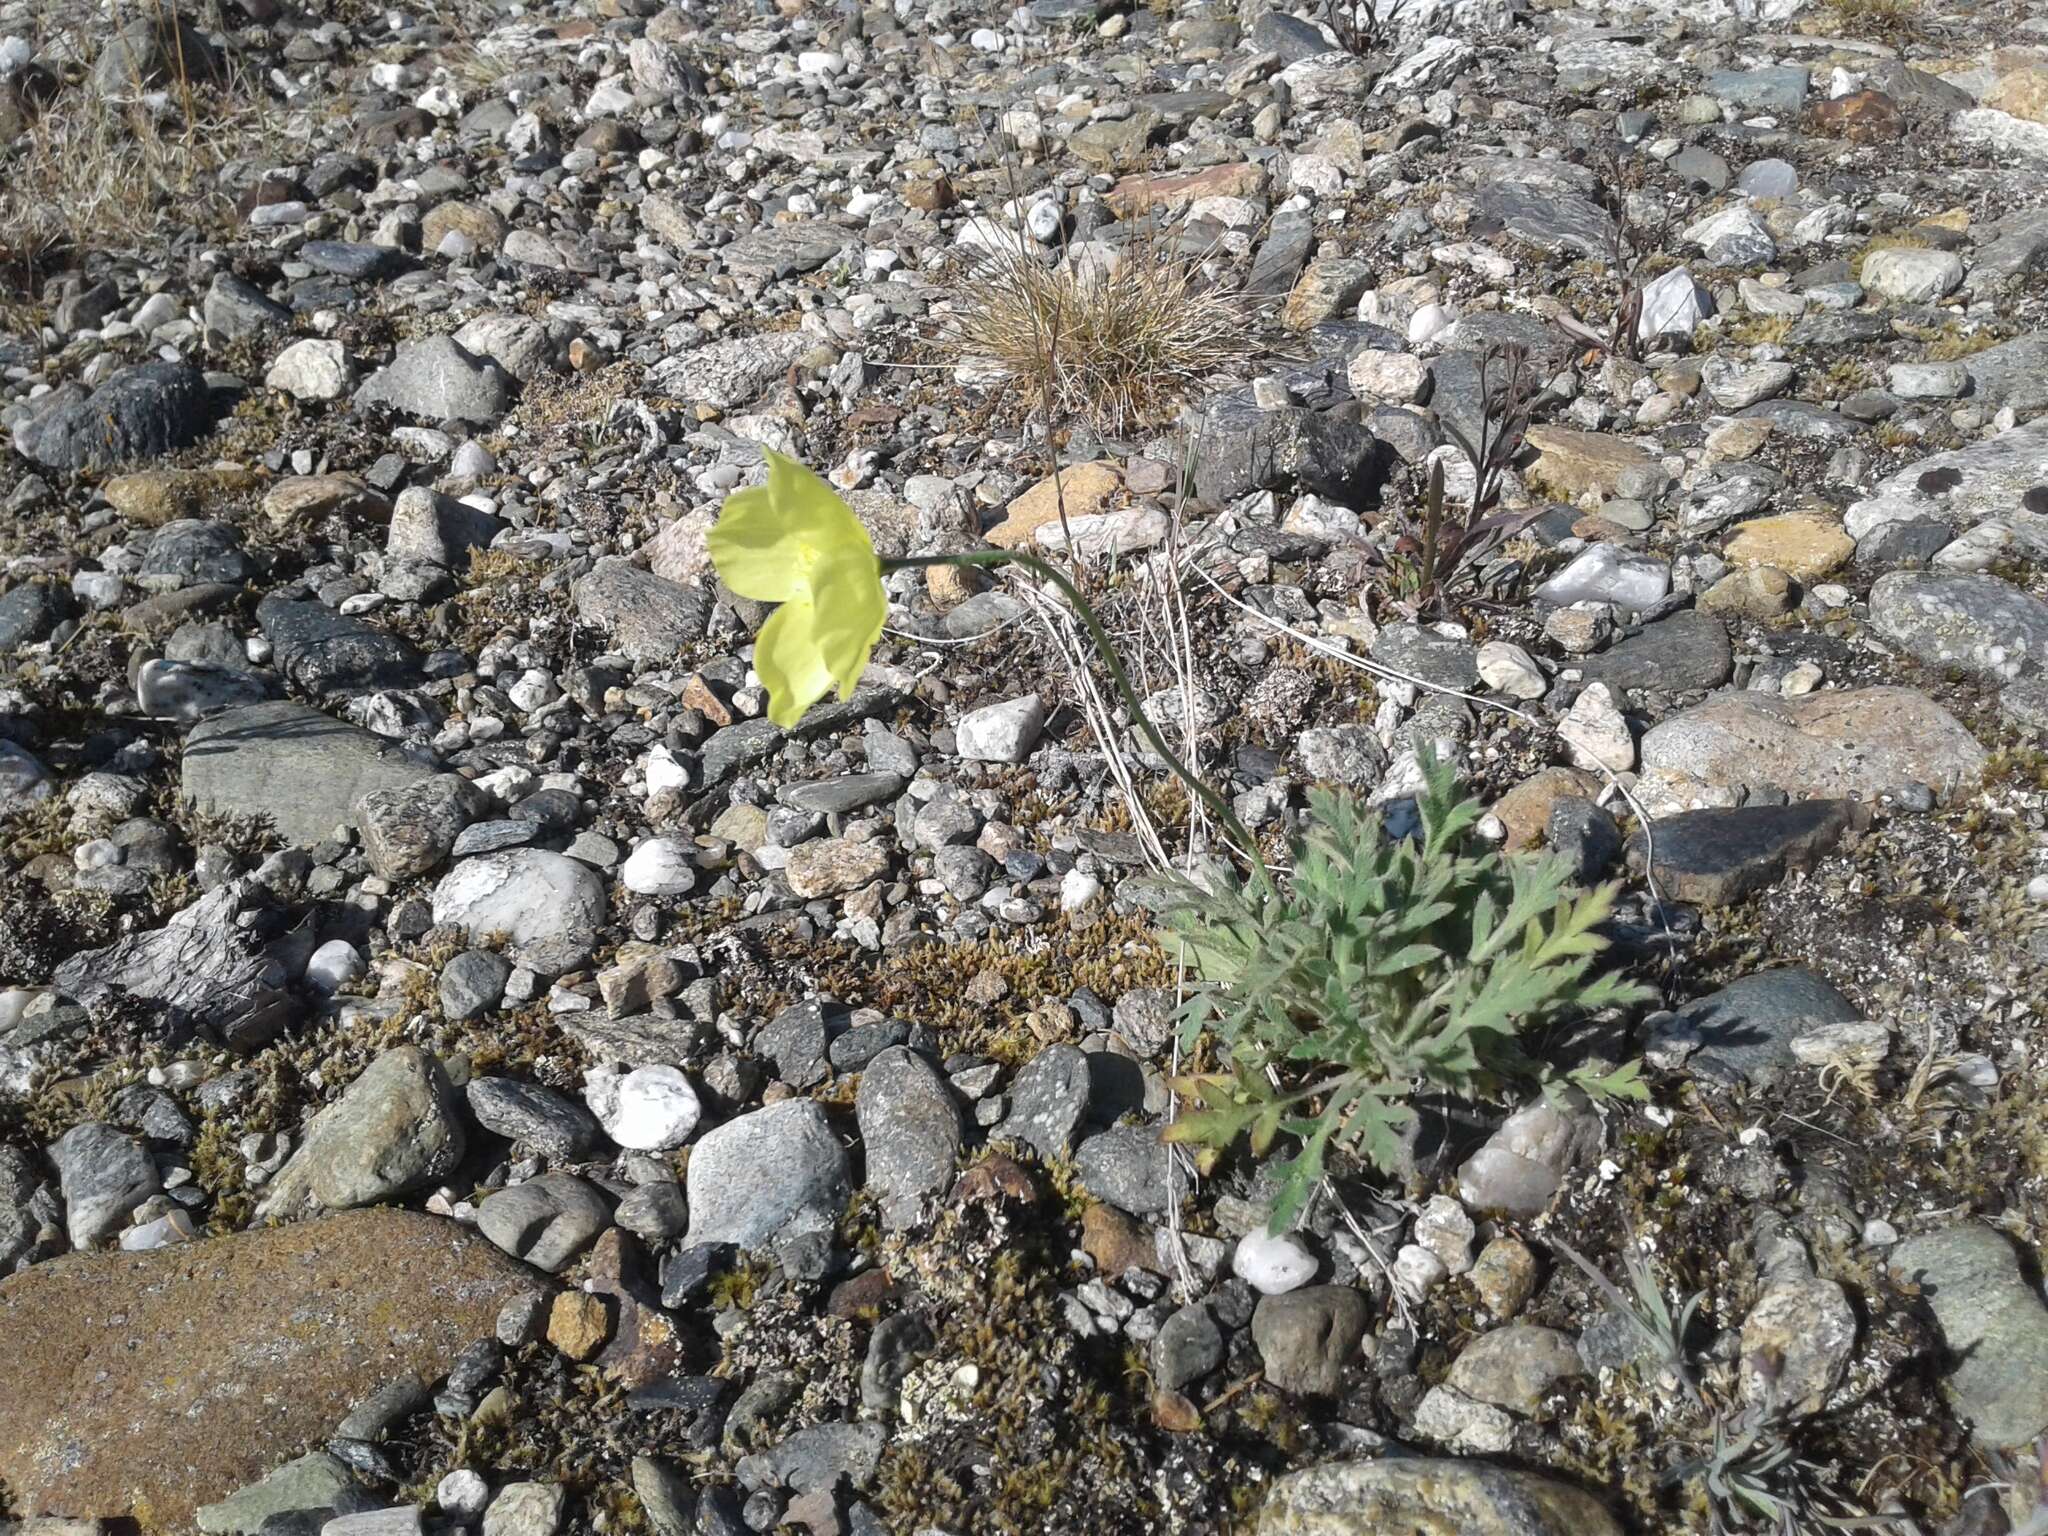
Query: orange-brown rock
[(1525, 809), (1082, 489), (1177, 189), (1861, 117), (142, 1385)]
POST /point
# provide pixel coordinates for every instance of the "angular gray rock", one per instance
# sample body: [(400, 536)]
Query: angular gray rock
[(202, 972), (103, 1174), (302, 770), (648, 618), (758, 1176), (549, 907), (437, 380), (910, 1132), (397, 1127)]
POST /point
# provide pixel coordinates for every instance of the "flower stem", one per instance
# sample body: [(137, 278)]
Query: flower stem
[(1219, 807)]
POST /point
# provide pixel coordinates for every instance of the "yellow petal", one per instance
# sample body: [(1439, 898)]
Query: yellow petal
[(768, 538), (790, 662), (847, 592), (751, 549)]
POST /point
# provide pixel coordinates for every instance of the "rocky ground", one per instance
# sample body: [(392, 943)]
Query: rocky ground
[(463, 1067)]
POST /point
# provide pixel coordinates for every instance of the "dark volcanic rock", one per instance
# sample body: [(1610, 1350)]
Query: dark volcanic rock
[(141, 412), (327, 652), (1715, 858)]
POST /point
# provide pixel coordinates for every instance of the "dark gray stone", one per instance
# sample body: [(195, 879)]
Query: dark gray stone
[(549, 1123), (1715, 858), (29, 612), (1553, 218), (910, 1131), (1187, 1347), (356, 260), (1746, 1029), (1282, 254), (1306, 1338), (738, 747), (323, 651), (104, 1174), (472, 984), (1242, 448), (296, 767), (1048, 1102), (844, 795), (140, 413), (648, 618), (1127, 1166), (1683, 653), (235, 310)]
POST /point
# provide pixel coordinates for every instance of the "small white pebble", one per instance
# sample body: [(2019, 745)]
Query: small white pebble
[(1272, 1265)]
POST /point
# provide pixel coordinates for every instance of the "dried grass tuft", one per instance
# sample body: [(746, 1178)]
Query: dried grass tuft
[(1118, 343), (92, 172)]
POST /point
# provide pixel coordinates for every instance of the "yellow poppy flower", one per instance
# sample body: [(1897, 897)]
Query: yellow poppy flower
[(793, 541)]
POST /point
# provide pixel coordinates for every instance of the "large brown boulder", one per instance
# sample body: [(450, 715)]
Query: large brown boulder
[(147, 1384)]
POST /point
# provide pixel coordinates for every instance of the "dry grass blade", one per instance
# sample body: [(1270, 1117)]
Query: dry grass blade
[(1119, 343), (95, 169)]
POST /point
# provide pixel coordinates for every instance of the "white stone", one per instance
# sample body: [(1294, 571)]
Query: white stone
[(462, 1494), (1394, 377), (1607, 573), (333, 966), (1911, 276), (664, 772), (1596, 733), (315, 369), (1673, 303), (1077, 889), (1445, 1228), (1001, 733), (1272, 1265), (1507, 668), (1417, 1271), (1428, 323), (650, 1109), (661, 866), (175, 1227)]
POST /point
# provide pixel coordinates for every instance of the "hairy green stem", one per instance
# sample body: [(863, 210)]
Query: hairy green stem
[(1248, 846)]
